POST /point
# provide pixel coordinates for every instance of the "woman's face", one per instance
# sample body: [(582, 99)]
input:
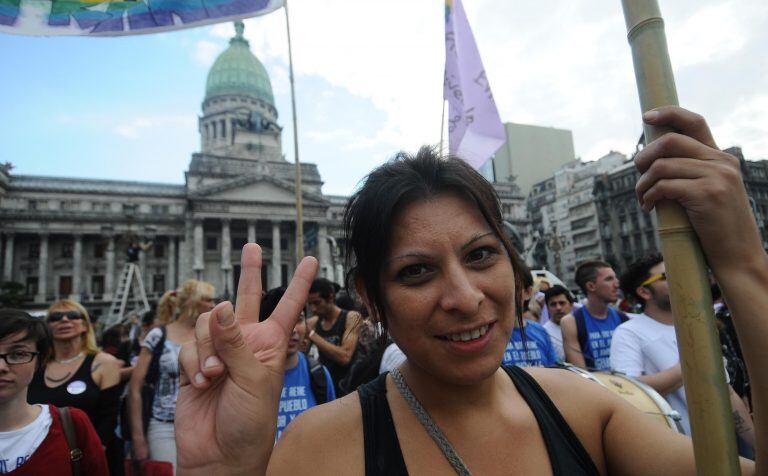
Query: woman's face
[(449, 290), (66, 324), (16, 378), (206, 302)]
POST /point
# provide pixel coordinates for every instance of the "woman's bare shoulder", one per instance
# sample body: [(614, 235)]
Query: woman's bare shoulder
[(326, 439)]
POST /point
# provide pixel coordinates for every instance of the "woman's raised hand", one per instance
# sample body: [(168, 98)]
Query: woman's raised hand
[(232, 376), (686, 166)]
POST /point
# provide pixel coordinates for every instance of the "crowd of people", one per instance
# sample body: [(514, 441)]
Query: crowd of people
[(398, 371)]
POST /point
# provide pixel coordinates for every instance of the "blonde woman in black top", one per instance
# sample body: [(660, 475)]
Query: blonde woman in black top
[(78, 374)]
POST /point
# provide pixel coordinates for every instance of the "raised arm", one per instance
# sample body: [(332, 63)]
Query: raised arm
[(708, 183), (688, 168)]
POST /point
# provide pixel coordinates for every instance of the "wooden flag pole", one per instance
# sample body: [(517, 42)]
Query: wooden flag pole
[(299, 218), (442, 127), (709, 406)]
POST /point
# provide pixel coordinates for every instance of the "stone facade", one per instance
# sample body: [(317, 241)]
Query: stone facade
[(67, 238), (627, 233)]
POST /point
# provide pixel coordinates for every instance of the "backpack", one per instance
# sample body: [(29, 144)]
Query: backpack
[(147, 392), (581, 326), (318, 380)]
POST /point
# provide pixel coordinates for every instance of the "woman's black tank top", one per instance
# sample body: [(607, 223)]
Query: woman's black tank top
[(382, 448), (80, 391), (334, 335)]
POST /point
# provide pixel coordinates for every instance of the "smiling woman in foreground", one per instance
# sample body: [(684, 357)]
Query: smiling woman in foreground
[(435, 268)]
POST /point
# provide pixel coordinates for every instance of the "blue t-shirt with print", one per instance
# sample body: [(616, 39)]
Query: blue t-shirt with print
[(597, 354), (540, 351), (297, 395)]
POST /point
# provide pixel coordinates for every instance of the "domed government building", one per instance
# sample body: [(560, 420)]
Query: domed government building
[(67, 238)]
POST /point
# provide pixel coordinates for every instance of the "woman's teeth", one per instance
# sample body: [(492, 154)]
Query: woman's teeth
[(469, 335)]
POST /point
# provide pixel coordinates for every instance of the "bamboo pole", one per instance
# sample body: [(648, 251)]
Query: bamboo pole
[(700, 356), (299, 217)]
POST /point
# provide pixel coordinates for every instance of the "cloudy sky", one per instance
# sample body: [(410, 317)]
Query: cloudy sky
[(369, 83)]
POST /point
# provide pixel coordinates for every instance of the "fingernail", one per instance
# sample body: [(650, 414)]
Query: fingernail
[(200, 378), (226, 317), (212, 361), (650, 116)]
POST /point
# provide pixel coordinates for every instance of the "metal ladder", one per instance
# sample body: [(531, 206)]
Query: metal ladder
[(130, 283)]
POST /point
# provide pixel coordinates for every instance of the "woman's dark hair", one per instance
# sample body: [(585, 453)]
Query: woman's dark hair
[(371, 213), (635, 274), (13, 321)]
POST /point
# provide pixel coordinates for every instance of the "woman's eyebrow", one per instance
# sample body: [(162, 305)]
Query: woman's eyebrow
[(474, 239), (407, 255)]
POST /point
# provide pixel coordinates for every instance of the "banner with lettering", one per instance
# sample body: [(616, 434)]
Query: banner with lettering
[(122, 17), (475, 131)]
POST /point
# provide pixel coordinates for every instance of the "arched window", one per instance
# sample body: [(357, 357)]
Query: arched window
[(223, 128)]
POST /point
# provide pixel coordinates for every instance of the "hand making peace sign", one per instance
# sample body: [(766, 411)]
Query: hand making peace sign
[(232, 375)]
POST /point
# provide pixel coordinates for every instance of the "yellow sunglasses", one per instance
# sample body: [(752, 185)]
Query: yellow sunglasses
[(654, 278)]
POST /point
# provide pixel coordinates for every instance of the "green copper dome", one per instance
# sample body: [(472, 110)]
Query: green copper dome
[(238, 72)]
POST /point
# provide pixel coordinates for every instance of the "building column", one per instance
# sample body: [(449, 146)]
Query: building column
[(8, 262), (185, 252), (251, 231), (275, 275), (199, 262), (170, 276), (77, 268), (324, 252), (226, 256), (42, 270), (109, 275)]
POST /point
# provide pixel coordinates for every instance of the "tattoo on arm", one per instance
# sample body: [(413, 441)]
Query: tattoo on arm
[(95, 367), (741, 424)]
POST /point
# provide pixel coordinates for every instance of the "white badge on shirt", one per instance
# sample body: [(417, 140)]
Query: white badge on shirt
[(76, 388)]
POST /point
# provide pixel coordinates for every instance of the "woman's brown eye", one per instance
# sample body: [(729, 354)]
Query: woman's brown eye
[(479, 255), (414, 271)]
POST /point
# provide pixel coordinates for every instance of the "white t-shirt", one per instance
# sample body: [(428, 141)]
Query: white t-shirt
[(644, 346), (17, 446), (556, 336), (391, 358)]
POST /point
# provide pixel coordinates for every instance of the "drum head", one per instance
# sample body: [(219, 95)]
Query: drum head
[(641, 396), (579, 371)]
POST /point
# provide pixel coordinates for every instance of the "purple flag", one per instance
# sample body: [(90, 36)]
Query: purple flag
[(475, 131)]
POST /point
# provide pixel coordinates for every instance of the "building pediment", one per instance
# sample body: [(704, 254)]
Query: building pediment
[(255, 188)]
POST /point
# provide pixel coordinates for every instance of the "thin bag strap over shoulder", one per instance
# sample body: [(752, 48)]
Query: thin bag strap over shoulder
[(75, 453)]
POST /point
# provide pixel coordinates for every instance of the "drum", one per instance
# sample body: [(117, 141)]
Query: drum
[(578, 370), (635, 392), (641, 396)]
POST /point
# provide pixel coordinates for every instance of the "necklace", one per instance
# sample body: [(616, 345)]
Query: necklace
[(57, 380), (69, 361), (429, 425)]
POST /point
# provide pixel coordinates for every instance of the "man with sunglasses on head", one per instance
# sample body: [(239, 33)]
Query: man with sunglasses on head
[(645, 347), (32, 437)]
